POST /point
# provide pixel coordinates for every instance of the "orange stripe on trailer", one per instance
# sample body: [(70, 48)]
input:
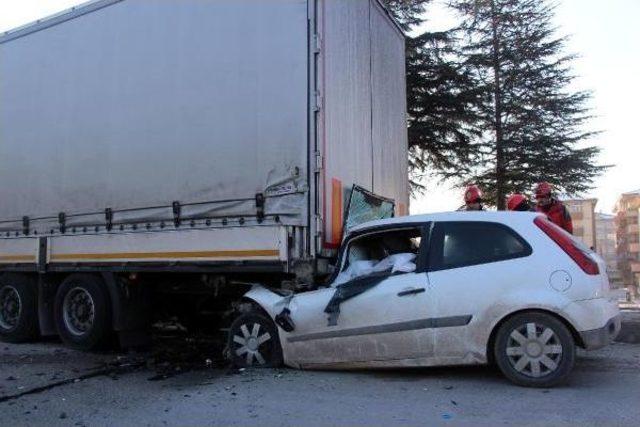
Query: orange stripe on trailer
[(401, 209), (168, 255), (14, 258), (336, 211)]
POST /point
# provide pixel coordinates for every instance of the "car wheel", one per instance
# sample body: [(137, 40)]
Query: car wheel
[(253, 342), (18, 308), (535, 350), (83, 312)]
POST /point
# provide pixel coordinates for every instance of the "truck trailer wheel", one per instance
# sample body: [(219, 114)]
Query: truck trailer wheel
[(253, 342), (18, 308), (83, 312)]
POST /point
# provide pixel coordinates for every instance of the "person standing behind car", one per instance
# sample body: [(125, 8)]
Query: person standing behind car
[(519, 203), (554, 209), (472, 199)]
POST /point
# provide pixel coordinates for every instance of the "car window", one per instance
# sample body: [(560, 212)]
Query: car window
[(460, 244), (379, 253)]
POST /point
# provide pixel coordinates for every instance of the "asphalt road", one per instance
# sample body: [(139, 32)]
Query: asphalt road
[(177, 385), (46, 384)]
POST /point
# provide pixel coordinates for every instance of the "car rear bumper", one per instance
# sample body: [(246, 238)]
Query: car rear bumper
[(601, 337)]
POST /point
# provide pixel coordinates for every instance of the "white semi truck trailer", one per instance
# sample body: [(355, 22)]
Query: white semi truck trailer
[(157, 154)]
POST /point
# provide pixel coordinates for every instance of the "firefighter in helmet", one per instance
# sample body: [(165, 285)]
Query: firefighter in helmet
[(472, 199), (554, 209), (520, 203)]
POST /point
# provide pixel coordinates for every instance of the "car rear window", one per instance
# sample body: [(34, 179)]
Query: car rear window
[(461, 244)]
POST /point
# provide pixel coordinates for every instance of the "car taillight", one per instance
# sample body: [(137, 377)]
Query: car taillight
[(566, 243)]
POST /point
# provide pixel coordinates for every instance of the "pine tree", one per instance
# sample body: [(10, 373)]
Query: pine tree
[(408, 13), (532, 124), (439, 99)]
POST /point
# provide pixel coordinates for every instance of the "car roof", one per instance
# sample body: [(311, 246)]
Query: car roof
[(503, 217)]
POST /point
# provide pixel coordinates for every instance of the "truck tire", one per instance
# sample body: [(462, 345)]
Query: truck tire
[(18, 308), (253, 342), (535, 350), (82, 312)]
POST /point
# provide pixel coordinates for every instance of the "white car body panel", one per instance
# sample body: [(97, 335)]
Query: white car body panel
[(357, 340), (485, 294), (360, 334)]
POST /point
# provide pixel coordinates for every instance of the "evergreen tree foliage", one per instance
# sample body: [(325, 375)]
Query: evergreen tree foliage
[(408, 13), (439, 99), (532, 124)]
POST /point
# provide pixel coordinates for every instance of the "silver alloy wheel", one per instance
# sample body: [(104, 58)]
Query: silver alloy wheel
[(78, 311), (534, 350), (250, 344), (10, 307)]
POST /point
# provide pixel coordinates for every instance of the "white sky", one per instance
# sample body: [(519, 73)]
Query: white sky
[(604, 33)]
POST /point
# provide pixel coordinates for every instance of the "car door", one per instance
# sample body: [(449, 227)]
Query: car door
[(387, 321), (472, 264)]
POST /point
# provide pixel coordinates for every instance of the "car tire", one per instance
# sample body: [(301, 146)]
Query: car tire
[(253, 342), (82, 312), (18, 308), (535, 350)]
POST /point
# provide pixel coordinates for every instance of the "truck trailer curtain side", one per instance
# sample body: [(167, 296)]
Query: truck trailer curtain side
[(196, 131)]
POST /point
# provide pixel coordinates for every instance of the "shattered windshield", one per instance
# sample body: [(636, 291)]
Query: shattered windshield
[(366, 206)]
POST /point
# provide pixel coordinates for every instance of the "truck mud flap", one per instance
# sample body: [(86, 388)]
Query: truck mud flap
[(130, 312)]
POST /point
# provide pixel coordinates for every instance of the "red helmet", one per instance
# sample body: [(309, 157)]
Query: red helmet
[(543, 190), (514, 201), (472, 194)]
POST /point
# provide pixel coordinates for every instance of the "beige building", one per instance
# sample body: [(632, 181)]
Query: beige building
[(628, 239), (606, 246), (584, 219)]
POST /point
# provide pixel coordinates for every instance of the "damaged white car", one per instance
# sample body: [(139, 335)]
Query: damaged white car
[(445, 289)]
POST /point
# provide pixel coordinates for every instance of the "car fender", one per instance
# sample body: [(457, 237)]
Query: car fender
[(271, 302), (510, 304)]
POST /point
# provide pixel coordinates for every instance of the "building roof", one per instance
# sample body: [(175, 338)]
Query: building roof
[(605, 216), (591, 199)]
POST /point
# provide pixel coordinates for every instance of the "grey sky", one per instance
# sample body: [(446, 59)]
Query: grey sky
[(604, 33)]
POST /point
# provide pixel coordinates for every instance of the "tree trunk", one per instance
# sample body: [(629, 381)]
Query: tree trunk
[(500, 167)]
